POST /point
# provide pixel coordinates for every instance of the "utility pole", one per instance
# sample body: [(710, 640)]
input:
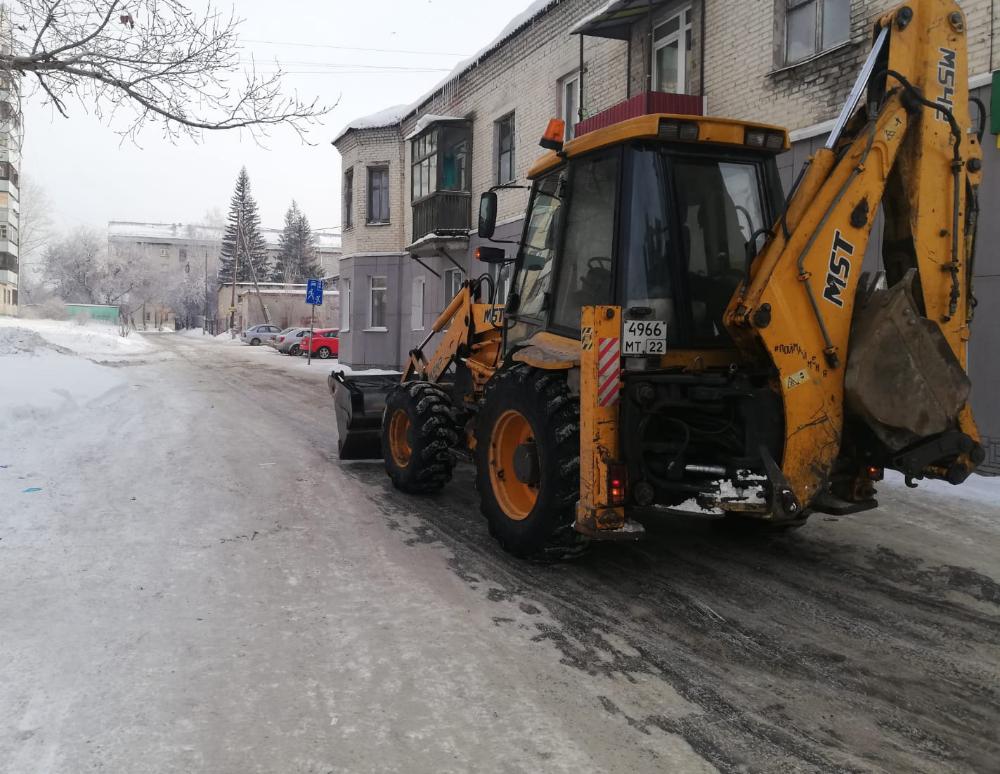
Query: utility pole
[(204, 323), (253, 276), (236, 270)]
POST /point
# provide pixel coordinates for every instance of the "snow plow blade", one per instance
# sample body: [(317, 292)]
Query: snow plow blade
[(359, 402)]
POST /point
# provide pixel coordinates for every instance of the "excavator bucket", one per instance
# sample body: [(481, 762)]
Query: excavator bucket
[(902, 377), (359, 402)]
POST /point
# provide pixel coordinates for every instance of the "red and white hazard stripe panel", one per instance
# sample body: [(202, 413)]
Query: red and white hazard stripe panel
[(609, 371)]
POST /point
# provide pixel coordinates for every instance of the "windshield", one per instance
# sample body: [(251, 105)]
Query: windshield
[(693, 232)]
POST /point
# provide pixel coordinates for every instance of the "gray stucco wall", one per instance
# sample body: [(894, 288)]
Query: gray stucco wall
[(984, 363)]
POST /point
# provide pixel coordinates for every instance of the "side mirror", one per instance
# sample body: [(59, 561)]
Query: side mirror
[(491, 254), (487, 214)]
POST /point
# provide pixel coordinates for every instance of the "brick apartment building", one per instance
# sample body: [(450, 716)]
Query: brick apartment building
[(412, 174)]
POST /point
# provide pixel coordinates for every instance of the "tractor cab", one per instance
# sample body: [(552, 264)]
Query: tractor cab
[(659, 215)]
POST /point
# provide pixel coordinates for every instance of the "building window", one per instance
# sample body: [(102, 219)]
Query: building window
[(3, 230), (424, 170), (349, 198), (569, 96), (814, 26), (673, 63), (417, 304), (376, 306), (163, 252), (452, 283), (378, 195), (345, 306), (505, 149)]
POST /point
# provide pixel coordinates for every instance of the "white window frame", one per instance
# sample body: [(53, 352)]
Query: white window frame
[(371, 300), (680, 38), (570, 81), (450, 293), (345, 306), (418, 300), (818, 44)]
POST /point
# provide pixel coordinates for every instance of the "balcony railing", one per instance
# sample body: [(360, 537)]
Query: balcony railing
[(441, 211), (644, 104)]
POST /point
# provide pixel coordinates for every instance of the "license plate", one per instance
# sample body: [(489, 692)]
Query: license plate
[(644, 337)]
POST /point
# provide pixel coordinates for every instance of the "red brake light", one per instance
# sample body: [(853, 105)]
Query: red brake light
[(617, 484)]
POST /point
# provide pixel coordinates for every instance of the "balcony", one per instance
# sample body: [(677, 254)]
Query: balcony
[(644, 104), (442, 212)]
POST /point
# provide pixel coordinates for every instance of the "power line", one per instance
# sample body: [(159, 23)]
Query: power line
[(281, 64), (355, 48)]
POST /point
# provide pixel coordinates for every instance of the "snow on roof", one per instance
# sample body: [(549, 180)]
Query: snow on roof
[(165, 232), (388, 117), (426, 121), (395, 115)]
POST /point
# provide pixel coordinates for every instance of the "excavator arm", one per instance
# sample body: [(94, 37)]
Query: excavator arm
[(889, 360)]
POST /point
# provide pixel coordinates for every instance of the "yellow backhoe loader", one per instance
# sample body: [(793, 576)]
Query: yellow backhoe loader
[(680, 335)]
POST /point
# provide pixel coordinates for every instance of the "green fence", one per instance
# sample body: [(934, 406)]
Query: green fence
[(105, 314)]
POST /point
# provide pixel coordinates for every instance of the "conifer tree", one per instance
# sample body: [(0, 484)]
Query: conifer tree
[(247, 246), (297, 249)]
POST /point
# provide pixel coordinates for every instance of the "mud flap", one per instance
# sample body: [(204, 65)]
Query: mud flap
[(359, 403), (903, 379)]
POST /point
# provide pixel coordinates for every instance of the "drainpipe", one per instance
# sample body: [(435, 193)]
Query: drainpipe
[(701, 51), (579, 106)]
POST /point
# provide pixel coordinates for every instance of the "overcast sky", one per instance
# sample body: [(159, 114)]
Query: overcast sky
[(92, 178)]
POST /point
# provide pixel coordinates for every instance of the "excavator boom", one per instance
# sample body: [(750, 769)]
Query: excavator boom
[(840, 362)]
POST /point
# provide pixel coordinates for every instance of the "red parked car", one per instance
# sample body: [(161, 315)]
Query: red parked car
[(324, 344)]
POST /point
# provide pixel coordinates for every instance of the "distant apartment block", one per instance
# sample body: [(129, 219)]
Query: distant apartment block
[(10, 159)]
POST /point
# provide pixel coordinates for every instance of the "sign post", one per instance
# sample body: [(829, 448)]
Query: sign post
[(314, 297)]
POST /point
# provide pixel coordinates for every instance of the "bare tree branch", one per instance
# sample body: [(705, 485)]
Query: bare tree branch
[(158, 60)]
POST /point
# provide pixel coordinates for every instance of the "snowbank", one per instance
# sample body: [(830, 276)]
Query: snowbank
[(39, 377), (93, 340)]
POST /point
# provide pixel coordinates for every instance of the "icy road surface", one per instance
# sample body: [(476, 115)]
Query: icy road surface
[(191, 582)]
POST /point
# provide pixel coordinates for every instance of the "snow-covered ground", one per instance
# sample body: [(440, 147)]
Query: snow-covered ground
[(92, 340), (49, 367)]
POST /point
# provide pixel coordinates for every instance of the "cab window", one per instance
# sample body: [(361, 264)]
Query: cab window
[(539, 247), (585, 272)]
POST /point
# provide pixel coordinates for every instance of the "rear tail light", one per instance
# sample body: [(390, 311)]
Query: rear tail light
[(617, 483), (874, 473)]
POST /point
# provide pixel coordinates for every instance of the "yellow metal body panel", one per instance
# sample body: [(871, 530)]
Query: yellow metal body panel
[(599, 424), (809, 282), (725, 131)]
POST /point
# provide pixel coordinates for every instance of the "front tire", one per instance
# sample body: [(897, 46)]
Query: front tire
[(254, 342), (528, 460), (323, 353), (418, 433)]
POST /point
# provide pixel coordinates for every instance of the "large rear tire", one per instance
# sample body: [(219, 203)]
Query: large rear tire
[(528, 461), (418, 433)]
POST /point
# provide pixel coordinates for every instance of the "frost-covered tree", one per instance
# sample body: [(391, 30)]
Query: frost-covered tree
[(243, 247), (297, 249), (158, 62)]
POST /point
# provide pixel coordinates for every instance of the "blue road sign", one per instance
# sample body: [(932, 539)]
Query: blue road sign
[(314, 292)]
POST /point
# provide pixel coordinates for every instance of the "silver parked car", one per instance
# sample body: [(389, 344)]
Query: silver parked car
[(290, 342), (258, 334)]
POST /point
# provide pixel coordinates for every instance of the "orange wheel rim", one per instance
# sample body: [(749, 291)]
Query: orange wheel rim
[(516, 498), (399, 438)]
